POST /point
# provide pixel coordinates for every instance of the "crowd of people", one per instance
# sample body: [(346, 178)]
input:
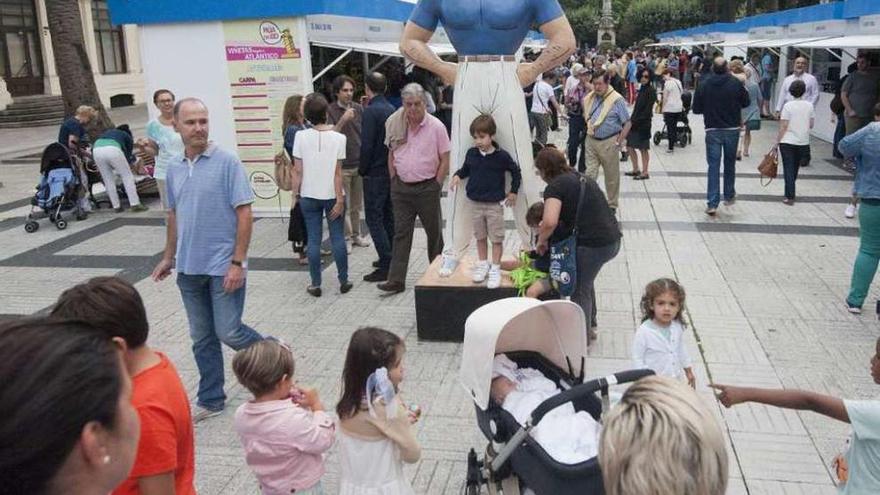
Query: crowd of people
[(127, 425)]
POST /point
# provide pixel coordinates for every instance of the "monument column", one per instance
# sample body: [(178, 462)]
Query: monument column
[(607, 32)]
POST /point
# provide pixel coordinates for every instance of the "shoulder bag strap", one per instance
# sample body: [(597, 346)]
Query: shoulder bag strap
[(580, 206)]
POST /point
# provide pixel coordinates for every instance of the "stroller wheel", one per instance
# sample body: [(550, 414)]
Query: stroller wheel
[(683, 141), (657, 138), (61, 224), (31, 227)]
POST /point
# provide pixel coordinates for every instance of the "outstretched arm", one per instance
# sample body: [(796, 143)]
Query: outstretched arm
[(560, 45), (414, 46), (786, 399)]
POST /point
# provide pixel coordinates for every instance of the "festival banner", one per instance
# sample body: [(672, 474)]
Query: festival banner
[(265, 68)]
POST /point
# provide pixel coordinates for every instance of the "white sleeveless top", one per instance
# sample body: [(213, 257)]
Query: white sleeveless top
[(370, 467)]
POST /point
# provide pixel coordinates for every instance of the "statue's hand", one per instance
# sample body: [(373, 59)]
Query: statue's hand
[(448, 73), (525, 73)]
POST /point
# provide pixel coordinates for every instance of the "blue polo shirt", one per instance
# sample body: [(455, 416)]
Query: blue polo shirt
[(485, 27), (204, 194)]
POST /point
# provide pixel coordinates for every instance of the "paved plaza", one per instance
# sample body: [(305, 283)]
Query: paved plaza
[(766, 285)]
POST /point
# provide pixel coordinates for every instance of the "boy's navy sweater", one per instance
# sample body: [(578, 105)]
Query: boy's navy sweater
[(486, 173)]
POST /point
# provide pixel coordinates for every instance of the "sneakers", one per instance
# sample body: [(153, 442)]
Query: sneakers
[(856, 310), (481, 269), (138, 208), (360, 241), (202, 414), (377, 275), (448, 265), (711, 211), (494, 277), (345, 287), (348, 247), (851, 210), (730, 202)]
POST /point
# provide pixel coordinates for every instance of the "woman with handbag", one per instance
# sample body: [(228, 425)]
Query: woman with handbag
[(639, 137), (576, 212), (793, 141), (292, 122)]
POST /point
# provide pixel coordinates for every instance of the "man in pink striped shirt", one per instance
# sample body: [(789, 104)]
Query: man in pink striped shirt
[(417, 168)]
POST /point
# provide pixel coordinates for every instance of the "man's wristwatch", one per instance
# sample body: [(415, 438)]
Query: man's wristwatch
[(237, 263)]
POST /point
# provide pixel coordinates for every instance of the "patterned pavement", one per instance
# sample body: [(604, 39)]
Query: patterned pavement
[(765, 283)]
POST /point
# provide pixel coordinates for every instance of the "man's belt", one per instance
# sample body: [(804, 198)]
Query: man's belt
[(487, 58), (606, 137)]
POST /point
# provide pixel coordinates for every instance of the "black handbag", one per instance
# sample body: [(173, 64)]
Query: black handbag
[(296, 230), (563, 254)]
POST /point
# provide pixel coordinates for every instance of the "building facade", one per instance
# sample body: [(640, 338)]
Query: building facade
[(27, 61)]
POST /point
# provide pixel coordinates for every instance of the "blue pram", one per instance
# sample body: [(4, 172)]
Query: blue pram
[(59, 190)]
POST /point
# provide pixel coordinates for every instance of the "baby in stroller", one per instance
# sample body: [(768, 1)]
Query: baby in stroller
[(568, 436), (60, 189)]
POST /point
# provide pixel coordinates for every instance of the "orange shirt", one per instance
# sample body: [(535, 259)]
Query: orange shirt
[(167, 439)]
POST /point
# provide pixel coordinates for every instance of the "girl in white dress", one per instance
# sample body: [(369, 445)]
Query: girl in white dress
[(659, 342), (375, 435)]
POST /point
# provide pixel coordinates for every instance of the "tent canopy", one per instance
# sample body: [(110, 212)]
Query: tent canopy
[(855, 41), (780, 42), (171, 11)]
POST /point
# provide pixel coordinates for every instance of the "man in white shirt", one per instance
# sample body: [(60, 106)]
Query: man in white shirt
[(542, 98), (812, 95), (800, 73)]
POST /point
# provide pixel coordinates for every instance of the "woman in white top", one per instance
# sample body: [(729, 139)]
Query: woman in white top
[(162, 142), (672, 106), (793, 141), (317, 184)]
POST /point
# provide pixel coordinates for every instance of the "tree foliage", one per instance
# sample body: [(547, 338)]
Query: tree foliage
[(646, 18)]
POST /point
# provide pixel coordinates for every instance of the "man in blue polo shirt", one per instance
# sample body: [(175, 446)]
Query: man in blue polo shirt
[(209, 231)]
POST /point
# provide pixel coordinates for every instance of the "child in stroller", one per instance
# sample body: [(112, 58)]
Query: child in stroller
[(514, 457), (60, 189), (684, 133)]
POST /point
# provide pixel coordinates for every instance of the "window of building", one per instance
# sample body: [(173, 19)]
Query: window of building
[(109, 40)]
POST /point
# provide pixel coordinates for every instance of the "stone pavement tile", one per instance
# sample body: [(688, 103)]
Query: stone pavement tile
[(33, 289), (736, 486), (131, 240), (765, 487), (613, 344), (776, 457), (712, 305), (440, 477), (759, 418), (733, 350), (752, 375)]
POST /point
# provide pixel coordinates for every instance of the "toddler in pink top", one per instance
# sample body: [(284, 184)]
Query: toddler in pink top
[(284, 430)]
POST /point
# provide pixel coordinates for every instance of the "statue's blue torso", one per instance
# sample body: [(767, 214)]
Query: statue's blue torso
[(485, 27)]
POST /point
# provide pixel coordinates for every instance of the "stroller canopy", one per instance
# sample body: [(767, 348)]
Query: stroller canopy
[(54, 156), (554, 329)]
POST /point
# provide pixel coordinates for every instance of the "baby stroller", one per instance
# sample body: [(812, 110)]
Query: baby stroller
[(58, 190), (684, 129), (550, 337)]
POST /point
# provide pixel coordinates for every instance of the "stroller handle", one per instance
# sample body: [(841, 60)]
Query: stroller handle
[(585, 389)]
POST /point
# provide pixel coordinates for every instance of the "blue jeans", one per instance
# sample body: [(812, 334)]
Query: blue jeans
[(380, 217), (214, 316), (718, 143), (839, 133), (314, 211)]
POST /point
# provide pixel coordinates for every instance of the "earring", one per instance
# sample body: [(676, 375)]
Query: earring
[(106, 459)]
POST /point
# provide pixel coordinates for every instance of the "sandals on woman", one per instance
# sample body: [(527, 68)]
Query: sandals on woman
[(631, 174), (642, 177)]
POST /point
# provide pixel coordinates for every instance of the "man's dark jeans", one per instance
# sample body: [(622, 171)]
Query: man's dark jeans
[(379, 217), (577, 135), (718, 143), (839, 133)]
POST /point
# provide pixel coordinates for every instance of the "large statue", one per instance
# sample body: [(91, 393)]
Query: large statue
[(487, 79)]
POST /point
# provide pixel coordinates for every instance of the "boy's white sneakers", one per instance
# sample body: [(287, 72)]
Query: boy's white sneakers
[(494, 277), (481, 269)]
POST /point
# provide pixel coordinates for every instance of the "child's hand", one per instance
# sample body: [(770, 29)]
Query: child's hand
[(729, 395), (692, 380), (511, 200), (310, 399), (456, 180), (413, 413)]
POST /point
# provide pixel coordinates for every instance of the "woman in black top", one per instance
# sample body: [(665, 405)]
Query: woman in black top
[(640, 136), (598, 232)]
